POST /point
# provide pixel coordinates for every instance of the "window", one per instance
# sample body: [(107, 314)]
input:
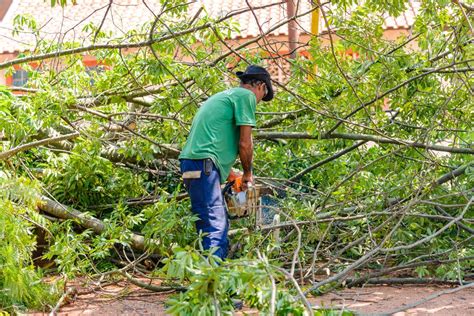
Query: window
[(20, 78), (92, 71)]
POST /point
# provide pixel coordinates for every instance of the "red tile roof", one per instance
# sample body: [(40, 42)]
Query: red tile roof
[(67, 23), (59, 23)]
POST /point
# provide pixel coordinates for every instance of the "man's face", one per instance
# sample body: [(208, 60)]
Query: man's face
[(261, 91)]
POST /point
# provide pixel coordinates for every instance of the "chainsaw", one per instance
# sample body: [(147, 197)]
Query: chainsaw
[(241, 203), (248, 203)]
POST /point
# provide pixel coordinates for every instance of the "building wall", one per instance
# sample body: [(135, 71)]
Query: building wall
[(5, 57), (273, 46)]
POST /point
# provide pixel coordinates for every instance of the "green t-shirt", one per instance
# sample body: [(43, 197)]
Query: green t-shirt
[(215, 132)]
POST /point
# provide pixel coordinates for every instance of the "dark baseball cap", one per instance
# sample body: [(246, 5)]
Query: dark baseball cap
[(259, 73)]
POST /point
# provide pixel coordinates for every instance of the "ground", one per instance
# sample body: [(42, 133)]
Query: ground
[(126, 299), (382, 299)]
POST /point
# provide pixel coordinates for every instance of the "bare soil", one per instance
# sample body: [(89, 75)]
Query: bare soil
[(383, 299), (125, 299)]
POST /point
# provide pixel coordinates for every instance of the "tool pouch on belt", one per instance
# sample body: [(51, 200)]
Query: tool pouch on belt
[(208, 164)]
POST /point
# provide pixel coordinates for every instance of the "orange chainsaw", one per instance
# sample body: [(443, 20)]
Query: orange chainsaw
[(241, 203)]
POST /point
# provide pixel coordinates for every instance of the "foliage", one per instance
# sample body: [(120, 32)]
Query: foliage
[(170, 224), (21, 283), (83, 178), (212, 284), (137, 106)]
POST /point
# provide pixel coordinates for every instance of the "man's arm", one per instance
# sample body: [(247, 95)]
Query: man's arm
[(246, 154)]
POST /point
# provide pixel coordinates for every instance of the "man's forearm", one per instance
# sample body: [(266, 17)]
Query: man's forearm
[(246, 156)]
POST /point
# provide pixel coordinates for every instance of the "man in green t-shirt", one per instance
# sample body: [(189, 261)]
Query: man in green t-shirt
[(221, 130)]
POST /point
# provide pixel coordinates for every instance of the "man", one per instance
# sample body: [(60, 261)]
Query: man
[(221, 130)]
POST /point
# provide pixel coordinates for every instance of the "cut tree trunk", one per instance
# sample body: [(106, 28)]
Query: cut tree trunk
[(87, 221)]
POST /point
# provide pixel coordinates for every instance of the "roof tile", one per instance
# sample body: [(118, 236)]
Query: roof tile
[(67, 23)]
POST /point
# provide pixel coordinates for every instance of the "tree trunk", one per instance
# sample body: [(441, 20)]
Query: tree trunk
[(61, 211)]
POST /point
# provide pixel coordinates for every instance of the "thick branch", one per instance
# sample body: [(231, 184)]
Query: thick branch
[(376, 139), (453, 174), (459, 224), (152, 287), (277, 120), (407, 281), (112, 154), (168, 151), (147, 200), (7, 154), (379, 273)]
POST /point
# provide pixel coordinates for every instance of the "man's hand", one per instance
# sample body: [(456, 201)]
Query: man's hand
[(247, 179), (234, 175)]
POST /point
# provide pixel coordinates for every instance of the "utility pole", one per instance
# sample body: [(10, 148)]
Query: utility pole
[(314, 32), (292, 31)]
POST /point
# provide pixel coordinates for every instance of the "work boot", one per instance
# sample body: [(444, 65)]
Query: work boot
[(238, 304)]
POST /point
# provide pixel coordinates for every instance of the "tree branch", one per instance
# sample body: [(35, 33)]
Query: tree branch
[(87, 221), (430, 237), (406, 281), (376, 139), (7, 154), (110, 154), (150, 286), (387, 92), (464, 5), (453, 174), (459, 224), (168, 151), (326, 160)]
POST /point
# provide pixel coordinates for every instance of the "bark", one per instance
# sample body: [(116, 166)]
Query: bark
[(292, 28), (453, 174)]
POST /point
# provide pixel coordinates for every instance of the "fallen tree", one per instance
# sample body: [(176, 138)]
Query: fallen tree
[(61, 211), (369, 159)]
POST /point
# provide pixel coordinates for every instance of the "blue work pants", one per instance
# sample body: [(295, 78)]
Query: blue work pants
[(207, 203)]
